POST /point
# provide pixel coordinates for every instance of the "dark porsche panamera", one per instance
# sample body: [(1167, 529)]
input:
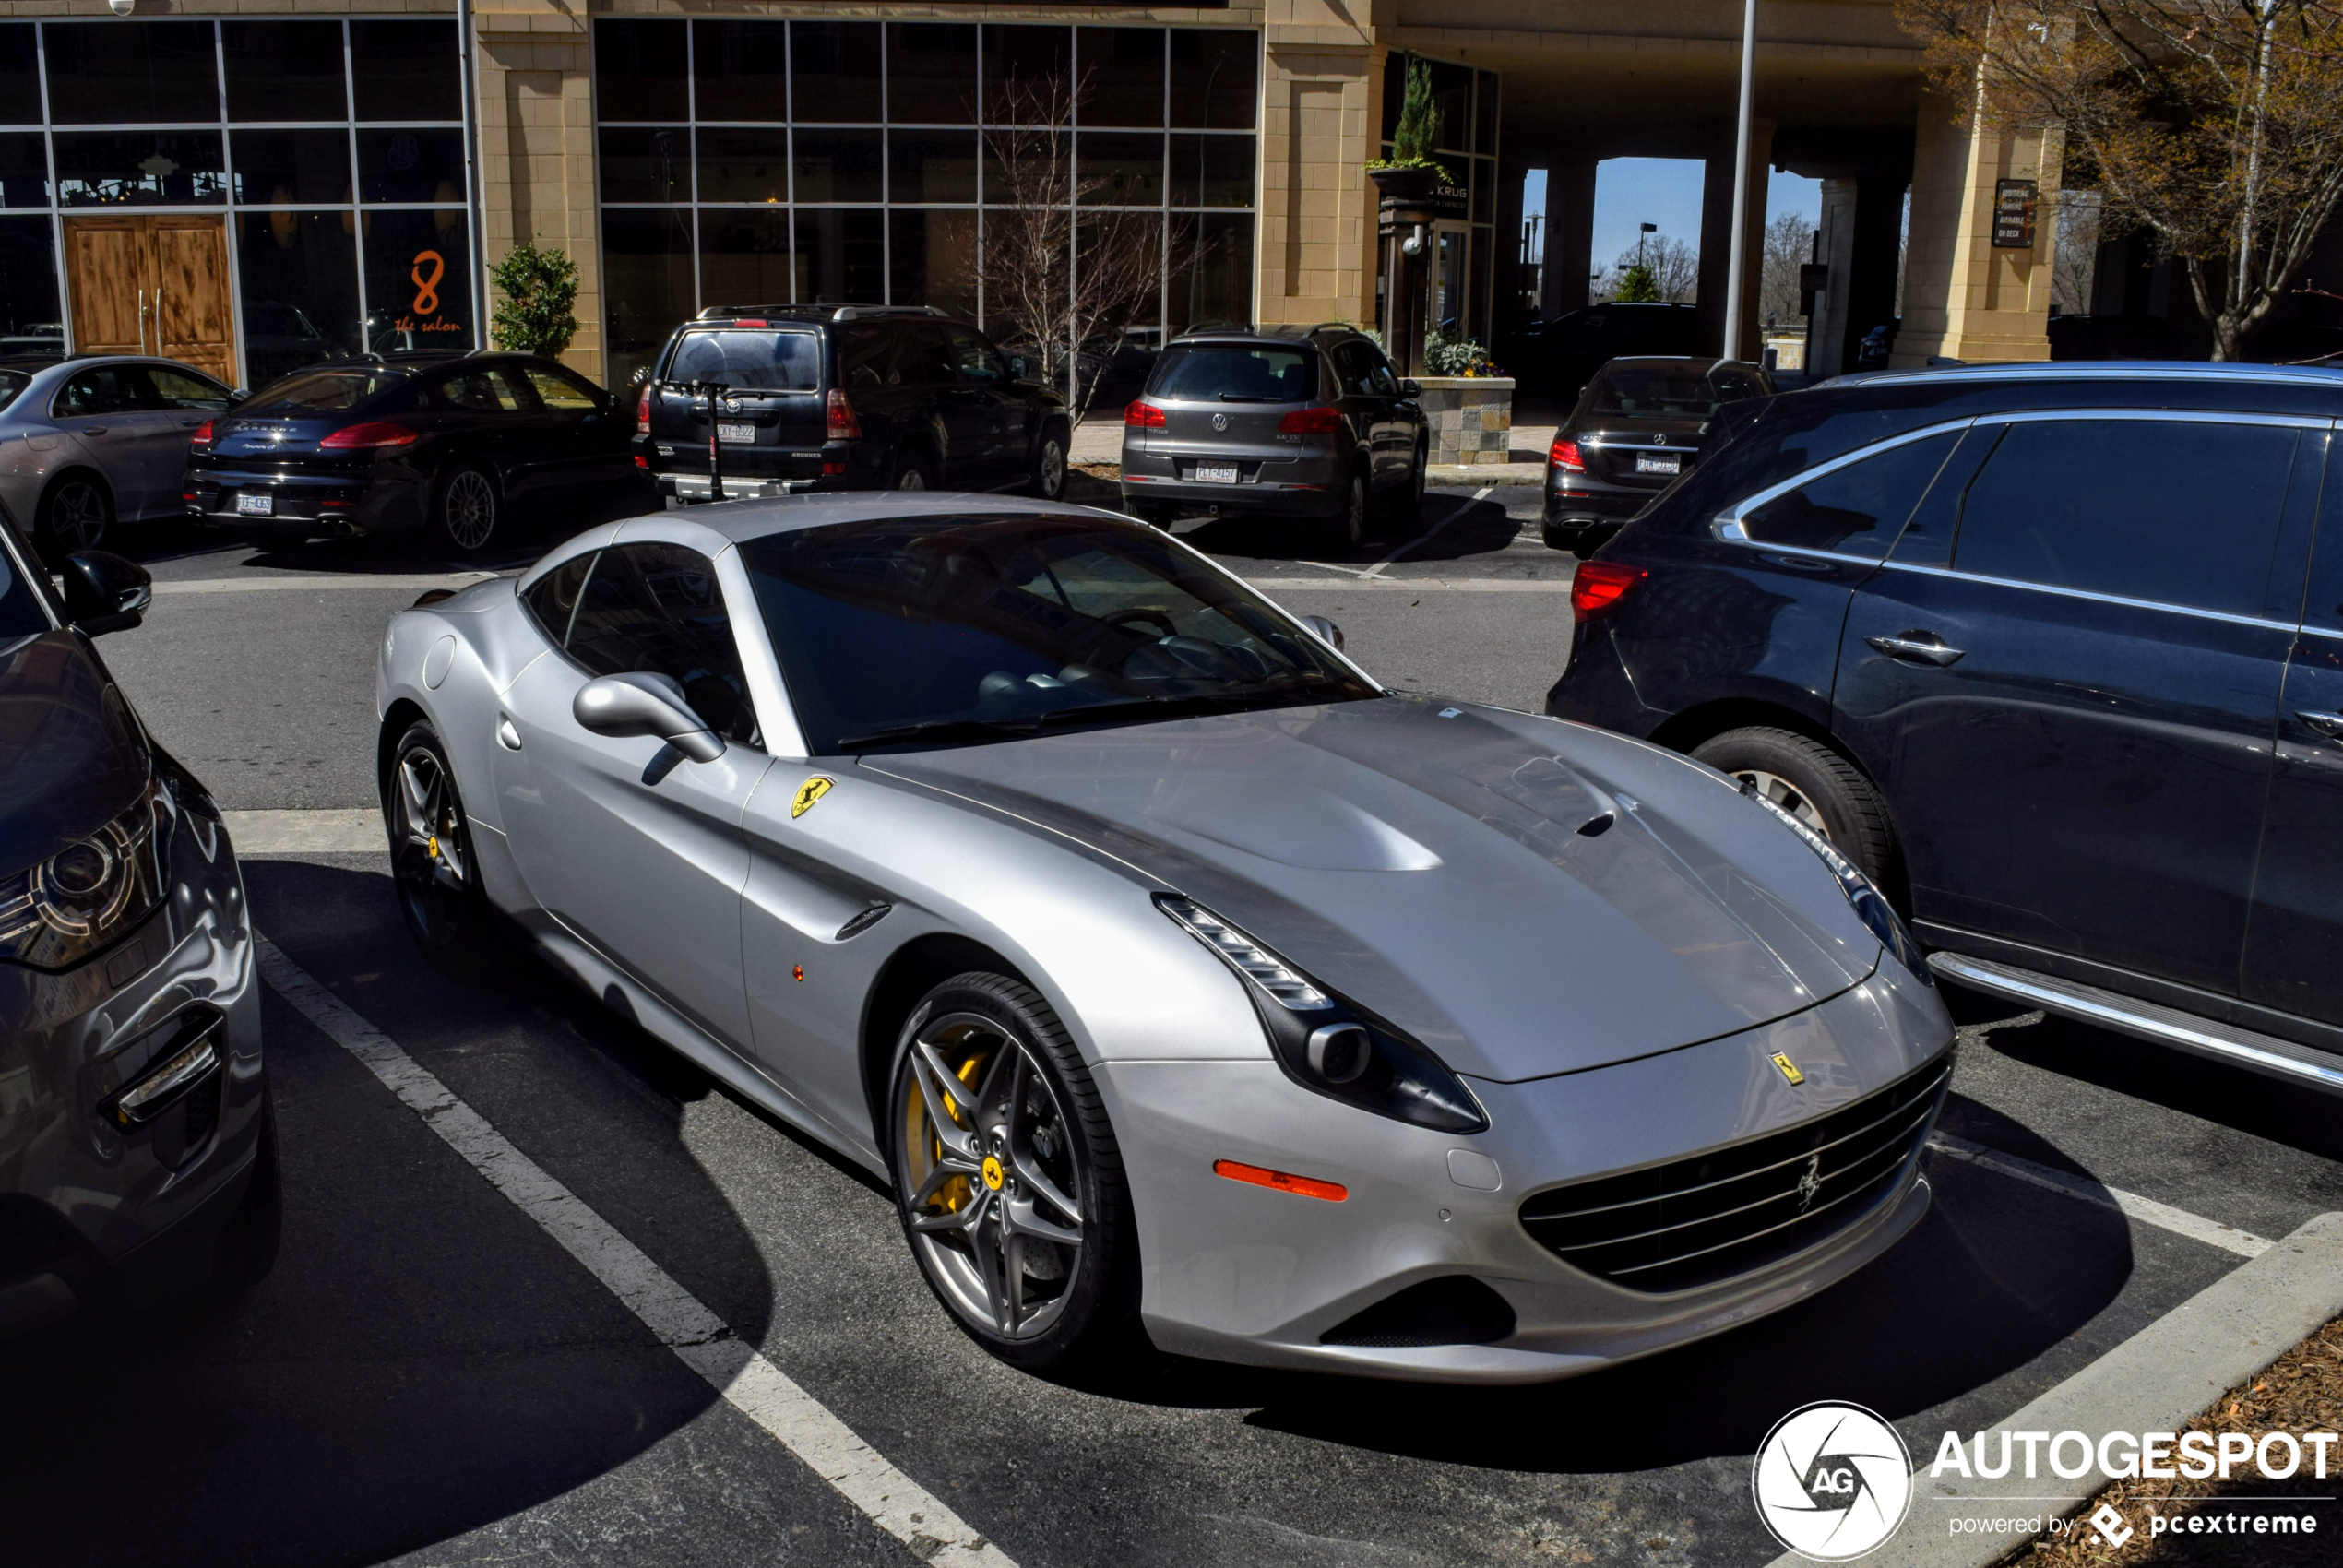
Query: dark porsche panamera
[(451, 445)]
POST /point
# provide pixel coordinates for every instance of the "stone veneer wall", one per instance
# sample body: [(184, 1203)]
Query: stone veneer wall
[(1471, 418)]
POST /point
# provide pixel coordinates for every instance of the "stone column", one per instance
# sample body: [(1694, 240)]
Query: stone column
[(536, 166), (1570, 232), (1321, 109), (1963, 298), (1830, 339), (1716, 234)]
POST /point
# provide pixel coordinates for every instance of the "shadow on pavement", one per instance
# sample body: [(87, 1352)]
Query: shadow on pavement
[(424, 1360)]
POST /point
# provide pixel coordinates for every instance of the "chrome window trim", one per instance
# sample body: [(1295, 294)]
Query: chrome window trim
[(2131, 371), (1732, 525), (2168, 416)]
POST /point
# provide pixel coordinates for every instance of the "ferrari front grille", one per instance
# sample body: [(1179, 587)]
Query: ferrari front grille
[(1733, 1210)]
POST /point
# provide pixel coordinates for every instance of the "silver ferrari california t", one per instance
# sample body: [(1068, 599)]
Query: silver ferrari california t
[(1175, 976)]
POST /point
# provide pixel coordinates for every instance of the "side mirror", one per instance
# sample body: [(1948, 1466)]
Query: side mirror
[(241, 393), (639, 703), (1018, 367), (1325, 631), (1411, 387), (103, 592)]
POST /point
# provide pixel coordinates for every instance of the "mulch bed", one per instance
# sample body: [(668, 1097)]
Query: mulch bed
[(2302, 1393)]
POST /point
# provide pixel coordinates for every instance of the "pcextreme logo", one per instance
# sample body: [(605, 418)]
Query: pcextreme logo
[(1832, 1481)]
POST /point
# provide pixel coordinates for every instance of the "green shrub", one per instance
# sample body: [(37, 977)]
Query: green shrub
[(1456, 356), (536, 289), (1418, 133)]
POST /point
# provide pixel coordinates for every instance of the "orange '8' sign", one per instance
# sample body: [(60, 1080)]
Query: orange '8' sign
[(427, 287)]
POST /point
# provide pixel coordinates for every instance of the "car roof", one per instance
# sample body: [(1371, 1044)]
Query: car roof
[(2201, 371)]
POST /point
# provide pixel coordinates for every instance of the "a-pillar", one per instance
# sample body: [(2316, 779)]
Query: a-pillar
[(1716, 236), (1963, 298), (1570, 233)]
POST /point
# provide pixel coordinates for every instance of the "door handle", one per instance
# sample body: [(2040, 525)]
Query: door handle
[(507, 736), (93, 430), (1921, 647), (2327, 724)]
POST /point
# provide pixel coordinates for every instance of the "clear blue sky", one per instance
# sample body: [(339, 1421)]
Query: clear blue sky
[(1666, 190)]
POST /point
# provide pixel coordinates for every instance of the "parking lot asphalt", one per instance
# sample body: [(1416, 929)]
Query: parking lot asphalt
[(428, 1377)]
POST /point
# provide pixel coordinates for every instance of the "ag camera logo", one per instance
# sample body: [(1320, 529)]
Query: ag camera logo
[(1832, 1481)]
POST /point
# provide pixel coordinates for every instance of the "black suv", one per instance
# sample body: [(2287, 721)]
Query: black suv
[(770, 399), (1293, 422), (2055, 651)]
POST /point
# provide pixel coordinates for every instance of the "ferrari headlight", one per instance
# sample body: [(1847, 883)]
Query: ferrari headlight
[(1330, 1045), (1871, 905), (80, 899)]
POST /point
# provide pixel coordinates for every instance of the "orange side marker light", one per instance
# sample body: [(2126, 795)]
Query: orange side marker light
[(797, 972), (1281, 1181)]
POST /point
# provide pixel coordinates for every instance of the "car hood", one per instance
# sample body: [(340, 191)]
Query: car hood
[(71, 756), (1430, 862)]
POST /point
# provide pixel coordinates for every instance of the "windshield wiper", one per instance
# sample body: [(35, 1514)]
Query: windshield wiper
[(1240, 397)]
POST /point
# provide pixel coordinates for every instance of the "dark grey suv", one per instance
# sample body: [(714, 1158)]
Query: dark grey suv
[(1308, 422)]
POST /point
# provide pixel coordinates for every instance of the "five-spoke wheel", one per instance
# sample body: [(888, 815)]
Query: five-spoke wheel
[(431, 858)]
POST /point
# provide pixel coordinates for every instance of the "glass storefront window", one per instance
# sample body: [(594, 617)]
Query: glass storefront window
[(141, 168), (930, 73), (839, 165), (405, 70), (1211, 171), (744, 165), (135, 73), (933, 258), (744, 256), (1484, 113), (931, 166), (298, 277), (284, 71), (283, 168), (1215, 78), (418, 279), (834, 73), (642, 70), (739, 70), (30, 321), (640, 163), (410, 165), (646, 283), (841, 255), (1020, 60), (19, 74), (1123, 70), (24, 171), (1212, 270)]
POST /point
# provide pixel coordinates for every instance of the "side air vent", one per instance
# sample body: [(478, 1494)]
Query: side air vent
[(1454, 1310)]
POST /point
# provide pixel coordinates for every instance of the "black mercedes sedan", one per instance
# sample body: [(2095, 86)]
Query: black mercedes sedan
[(452, 444), (137, 1152), (1637, 427)]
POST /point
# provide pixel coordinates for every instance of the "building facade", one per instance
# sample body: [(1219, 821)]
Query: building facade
[(250, 186)]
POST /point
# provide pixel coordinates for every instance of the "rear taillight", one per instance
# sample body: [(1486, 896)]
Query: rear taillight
[(368, 435), (1565, 454), (1599, 585), (643, 411), (843, 425), (202, 437), (1143, 415), (1312, 421)]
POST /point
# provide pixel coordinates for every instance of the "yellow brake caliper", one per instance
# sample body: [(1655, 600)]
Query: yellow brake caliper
[(955, 1193)]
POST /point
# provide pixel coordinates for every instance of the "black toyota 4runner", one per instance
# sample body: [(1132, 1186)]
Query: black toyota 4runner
[(770, 399)]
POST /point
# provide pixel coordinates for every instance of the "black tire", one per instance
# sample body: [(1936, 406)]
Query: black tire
[(1045, 477), (1084, 1313), (1813, 783), (75, 513), (433, 864), (246, 1248), (1346, 529), (1566, 535), (467, 508), (912, 472), (1406, 500)]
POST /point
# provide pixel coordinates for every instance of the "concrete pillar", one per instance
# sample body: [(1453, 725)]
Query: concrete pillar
[(1830, 337), (1716, 234), (1876, 257), (1321, 114), (1570, 232), (537, 175), (1963, 298)]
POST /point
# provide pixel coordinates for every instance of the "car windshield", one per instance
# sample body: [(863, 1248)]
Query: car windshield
[(321, 391), (11, 383), (1687, 392), (926, 630), (1237, 372), (771, 361)]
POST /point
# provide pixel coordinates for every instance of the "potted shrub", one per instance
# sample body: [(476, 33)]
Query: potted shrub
[(1411, 174)]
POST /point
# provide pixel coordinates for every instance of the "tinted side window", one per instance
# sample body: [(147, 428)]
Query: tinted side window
[(489, 390), (925, 357), (974, 359), (553, 597), (2178, 512), (558, 391), (867, 357), (1386, 381), (658, 608), (178, 390), (1354, 364), (1857, 510), (103, 389)]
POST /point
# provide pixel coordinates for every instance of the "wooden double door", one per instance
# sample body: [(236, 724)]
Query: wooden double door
[(153, 283)]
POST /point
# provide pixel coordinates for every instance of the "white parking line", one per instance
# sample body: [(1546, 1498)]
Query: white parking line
[(1459, 510), (751, 1385), (2147, 1211), (354, 831)]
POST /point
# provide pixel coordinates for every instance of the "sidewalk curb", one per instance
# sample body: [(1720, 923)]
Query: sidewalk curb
[(2155, 1381)]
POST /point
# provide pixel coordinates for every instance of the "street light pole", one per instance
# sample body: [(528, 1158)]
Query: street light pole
[(1738, 272)]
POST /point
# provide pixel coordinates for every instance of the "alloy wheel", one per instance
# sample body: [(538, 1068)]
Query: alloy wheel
[(427, 848), (1053, 469), (1786, 795), (1354, 523), (995, 1189), (910, 477), (78, 514), (471, 509)]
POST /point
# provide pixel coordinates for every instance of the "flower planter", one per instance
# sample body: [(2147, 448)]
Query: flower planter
[(1471, 418)]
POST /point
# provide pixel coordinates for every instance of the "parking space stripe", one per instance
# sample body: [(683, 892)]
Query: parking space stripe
[(734, 1368), (2147, 1211)]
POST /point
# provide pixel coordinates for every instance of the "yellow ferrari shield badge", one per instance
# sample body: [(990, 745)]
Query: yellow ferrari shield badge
[(1789, 1068), (812, 790)]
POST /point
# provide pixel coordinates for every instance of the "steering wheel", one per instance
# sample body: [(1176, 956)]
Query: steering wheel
[(1161, 617)]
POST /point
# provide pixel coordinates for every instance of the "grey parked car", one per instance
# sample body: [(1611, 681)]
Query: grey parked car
[(1176, 976), (1304, 423), (89, 441), (138, 1156)]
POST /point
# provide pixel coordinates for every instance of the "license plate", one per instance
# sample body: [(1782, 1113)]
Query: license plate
[(737, 434), (1216, 473), (256, 503), (1668, 463)]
